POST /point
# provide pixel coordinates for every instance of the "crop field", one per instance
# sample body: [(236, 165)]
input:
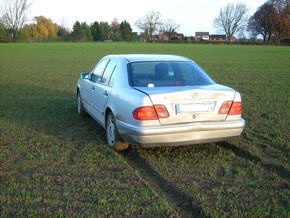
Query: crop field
[(54, 163)]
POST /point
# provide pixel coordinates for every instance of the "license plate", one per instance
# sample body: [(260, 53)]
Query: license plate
[(194, 107)]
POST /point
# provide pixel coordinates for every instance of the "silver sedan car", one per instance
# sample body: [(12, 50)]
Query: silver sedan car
[(158, 100)]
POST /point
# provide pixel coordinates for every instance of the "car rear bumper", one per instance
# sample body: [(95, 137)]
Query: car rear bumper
[(181, 134)]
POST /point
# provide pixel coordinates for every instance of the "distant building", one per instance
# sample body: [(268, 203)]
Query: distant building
[(218, 38), (179, 36), (201, 36), (174, 36), (214, 37)]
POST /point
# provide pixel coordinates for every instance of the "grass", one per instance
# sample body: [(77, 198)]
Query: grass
[(55, 163)]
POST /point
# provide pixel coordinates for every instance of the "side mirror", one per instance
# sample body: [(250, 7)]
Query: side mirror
[(84, 75)]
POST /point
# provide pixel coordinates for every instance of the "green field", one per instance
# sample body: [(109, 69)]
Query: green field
[(54, 163)]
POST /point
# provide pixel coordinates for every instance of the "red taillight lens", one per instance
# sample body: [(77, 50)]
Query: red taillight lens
[(236, 108), (150, 112), (145, 113), (231, 108)]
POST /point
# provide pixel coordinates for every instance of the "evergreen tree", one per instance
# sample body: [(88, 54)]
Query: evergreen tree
[(96, 32), (77, 31), (105, 32), (126, 31), (86, 32)]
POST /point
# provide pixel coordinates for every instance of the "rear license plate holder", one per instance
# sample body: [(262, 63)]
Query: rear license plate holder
[(192, 108)]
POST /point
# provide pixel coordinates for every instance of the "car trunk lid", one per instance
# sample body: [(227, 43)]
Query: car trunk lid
[(191, 104)]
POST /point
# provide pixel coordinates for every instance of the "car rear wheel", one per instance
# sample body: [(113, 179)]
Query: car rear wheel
[(113, 138), (81, 110)]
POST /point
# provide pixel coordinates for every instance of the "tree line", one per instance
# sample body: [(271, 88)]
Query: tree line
[(271, 21), (99, 31), (43, 29)]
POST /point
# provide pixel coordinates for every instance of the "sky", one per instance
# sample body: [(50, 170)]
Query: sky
[(192, 15)]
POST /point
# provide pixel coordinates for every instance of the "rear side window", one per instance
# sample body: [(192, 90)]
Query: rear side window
[(108, 72), (157, 74), (97, 72)]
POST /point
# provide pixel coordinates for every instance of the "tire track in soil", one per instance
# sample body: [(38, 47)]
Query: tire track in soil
[(281, 171), (185, 204)]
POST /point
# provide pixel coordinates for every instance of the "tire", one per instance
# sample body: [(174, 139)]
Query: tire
[(113, 138), (80, 108)]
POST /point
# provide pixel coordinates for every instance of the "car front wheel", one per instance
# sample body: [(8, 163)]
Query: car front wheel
[(113, 138)]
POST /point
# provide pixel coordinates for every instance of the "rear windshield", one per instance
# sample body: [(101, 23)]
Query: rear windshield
[(156, 74)]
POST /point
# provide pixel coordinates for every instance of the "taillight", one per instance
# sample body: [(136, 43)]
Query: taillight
[(150, 112), (231, 108), (236, 108), (161, 111)]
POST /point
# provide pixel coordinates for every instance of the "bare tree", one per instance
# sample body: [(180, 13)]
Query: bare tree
[(63, 30), (115, 25), (282, 18), (169, 27), (271, 20), (150, 23), (115, 30), (232, 19), (15, 14), (263, 22)]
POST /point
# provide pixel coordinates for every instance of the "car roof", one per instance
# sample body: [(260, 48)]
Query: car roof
[(149, 57)]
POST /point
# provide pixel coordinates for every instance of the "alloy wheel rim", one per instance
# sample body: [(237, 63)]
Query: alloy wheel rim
[(110, 133)]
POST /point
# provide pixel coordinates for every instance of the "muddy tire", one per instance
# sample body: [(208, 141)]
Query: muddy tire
[(113, 138)]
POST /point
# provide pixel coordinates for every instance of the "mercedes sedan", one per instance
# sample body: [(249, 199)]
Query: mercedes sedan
[(158, 100)]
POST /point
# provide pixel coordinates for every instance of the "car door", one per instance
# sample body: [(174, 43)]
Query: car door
[(101, 90), (88, 90)]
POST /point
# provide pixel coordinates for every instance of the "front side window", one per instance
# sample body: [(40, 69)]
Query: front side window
[(156, 74)]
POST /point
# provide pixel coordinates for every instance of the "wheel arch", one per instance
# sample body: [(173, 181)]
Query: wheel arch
[(78, 89), (107, 111)]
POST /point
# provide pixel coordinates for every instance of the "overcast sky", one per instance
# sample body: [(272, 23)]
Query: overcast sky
[(192, 15)]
